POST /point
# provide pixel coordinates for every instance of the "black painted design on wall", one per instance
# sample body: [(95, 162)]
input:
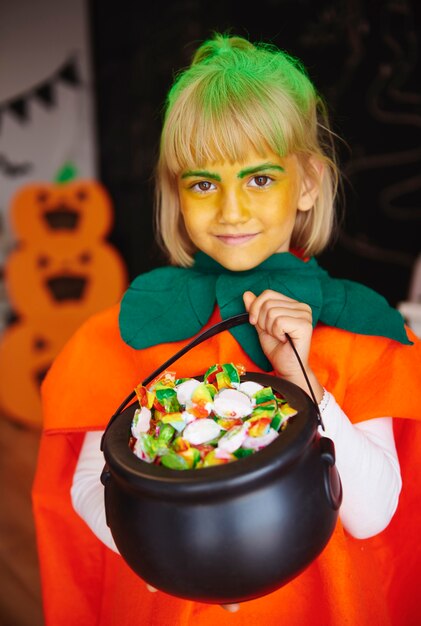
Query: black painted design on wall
[(362, 56)]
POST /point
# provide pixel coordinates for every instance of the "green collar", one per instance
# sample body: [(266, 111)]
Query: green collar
[(173, 303)]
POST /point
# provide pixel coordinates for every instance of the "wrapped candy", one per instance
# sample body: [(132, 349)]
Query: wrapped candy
[(187, 424)]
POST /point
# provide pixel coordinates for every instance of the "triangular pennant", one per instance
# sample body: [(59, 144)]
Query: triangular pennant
[(19, 107), (46, 93), (69, 73)]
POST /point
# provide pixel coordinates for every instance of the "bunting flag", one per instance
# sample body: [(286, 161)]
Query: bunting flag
[(44, 92)]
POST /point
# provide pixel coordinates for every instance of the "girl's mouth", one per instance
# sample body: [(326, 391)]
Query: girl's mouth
[(236, 240)]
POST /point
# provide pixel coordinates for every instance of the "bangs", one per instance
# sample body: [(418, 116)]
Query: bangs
[(194, 137)]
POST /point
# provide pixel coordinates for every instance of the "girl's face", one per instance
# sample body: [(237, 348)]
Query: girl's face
[(241, 213)]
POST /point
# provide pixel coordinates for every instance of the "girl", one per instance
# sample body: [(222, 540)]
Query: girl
[(246, 181)]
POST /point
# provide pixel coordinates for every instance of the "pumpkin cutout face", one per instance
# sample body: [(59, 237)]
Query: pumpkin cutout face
[(67, 275), (27, 350), (80, 208)]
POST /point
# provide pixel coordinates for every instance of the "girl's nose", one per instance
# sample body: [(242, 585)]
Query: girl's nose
[(233, 209)]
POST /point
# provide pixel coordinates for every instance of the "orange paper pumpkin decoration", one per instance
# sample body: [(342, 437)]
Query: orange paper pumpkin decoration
[(42, 210), (61, 272), (70, 274), (27, 350)]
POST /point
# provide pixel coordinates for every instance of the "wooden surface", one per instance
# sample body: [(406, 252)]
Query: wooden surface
[(20, 595)]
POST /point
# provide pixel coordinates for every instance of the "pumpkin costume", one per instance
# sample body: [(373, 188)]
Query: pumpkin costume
[(352, 582)]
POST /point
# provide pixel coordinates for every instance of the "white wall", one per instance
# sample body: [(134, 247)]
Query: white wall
[(37, 37)]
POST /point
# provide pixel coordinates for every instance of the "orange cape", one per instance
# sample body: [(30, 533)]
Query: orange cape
[(354, 582)]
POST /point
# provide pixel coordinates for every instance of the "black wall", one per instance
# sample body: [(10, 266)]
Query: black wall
[(362, 56)]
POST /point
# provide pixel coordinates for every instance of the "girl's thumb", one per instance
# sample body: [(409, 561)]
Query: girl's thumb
[(248, 299)]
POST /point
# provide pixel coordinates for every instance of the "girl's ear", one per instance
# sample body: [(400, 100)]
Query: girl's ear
[(312, 176)]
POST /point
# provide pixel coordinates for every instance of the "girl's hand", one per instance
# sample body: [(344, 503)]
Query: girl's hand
[(231, 608), (273, 315)]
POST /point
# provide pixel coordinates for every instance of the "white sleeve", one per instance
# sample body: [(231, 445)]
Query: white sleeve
[(366, 459), (368, 465), (87, 491)]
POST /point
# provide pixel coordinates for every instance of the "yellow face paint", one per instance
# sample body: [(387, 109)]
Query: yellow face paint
[(242, 213)]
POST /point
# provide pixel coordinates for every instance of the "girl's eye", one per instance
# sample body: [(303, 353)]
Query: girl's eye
[(261, 181), (203, 186)]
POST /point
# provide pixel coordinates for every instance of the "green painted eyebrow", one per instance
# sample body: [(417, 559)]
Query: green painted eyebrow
[(241, 174), (259, 168), (203, 174)]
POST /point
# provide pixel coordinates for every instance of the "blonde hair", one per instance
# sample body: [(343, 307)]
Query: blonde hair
[(236, 95)]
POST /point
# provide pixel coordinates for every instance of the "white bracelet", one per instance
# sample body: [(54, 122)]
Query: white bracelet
[(324, 401)]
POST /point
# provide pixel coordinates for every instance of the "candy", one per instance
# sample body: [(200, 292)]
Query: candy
[(255, 443), (227, 423), (141, 421), (174, 461), (200, 404), (165, 436), (232, 403), (201, 431), (287, 411), (233, 439), (250, 387), (203, 394), (212, 459), (145, 448), (145, 397), (258, 427), (276, 422), (225, 376), (241, 453), (172, 418), (187, 424), (167, 398), (191, 457), (188, 417), (264, 396), (185, 390)]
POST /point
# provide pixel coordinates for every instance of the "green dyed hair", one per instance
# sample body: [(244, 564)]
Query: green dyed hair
[(236, 95)]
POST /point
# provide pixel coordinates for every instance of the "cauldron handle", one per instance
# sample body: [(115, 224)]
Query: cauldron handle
[(230, 322), (331, 480)]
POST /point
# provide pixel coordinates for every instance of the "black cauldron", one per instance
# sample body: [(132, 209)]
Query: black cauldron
[(227, 533)]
